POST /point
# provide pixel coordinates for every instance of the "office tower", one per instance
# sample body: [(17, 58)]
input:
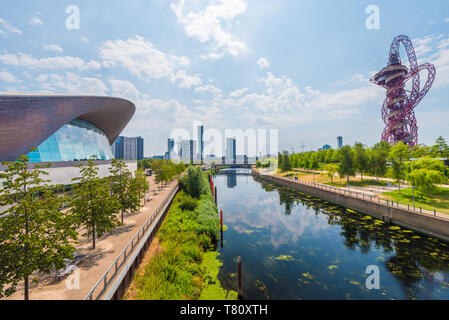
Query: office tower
[(340, 142), (128, 148), (170, 148), (231, 153), (200, 144), (187, 151)]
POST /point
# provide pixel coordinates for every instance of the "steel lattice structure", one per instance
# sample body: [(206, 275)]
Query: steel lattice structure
[(397, 109)]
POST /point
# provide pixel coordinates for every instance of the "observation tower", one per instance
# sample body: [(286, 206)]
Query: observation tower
[(398, 108)]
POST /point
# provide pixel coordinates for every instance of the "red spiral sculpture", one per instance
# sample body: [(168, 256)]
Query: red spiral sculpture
[(397, 110)]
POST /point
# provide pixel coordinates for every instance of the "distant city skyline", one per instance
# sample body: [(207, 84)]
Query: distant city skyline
[(301, 67)]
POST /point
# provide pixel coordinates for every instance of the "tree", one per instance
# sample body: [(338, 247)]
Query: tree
[(331, 169), (286, 165), (139, 184), (193, 182), (314, 164), (425, 180), (34, 234), (347, 165), (398, 154), (400, 151), (361, 159), (280, 160), (398, 172), (92, 205), (378, 158), (121, 182), (441, 147)]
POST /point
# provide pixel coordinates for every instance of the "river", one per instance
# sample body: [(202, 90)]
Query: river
[(294, 246)]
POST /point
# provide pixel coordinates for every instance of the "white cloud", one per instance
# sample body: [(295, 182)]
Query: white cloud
[(52, 47), (446, 20), (263, 63), (146, 62), (207, 25), (7, 77), (214, 91), (238, 93), (434, 49), (6, 28), (51, 63), (355, 80), (35, 21), (72, 83)]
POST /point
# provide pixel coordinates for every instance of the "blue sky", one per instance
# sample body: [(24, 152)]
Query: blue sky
[(297, 66)]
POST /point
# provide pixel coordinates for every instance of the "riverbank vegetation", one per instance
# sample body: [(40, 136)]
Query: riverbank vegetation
[(187, 266)]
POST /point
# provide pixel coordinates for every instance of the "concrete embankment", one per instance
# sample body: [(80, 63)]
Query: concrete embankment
[(420, 222)]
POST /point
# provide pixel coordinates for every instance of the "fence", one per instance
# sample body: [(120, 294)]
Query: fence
[(112, 271), (361, 195)]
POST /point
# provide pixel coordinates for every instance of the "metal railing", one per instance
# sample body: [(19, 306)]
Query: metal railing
[(361, 195), (112, 271)]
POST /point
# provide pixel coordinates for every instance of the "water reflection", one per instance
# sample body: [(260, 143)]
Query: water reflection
[(295, 246)]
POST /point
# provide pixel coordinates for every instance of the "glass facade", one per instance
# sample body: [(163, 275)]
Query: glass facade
[(77, 140)]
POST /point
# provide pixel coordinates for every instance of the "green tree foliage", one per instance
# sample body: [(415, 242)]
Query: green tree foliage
[(377, 157), (122, 188), (92, 205), (34, 234), (286, 164), (400, 151), (398, 170), (193, 182), (331, 169), (139, 184), (280, 160), (361, 159), (441, 147), (347, 166), (425, 180)]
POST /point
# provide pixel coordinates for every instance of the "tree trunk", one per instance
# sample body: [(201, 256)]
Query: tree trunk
[(93, 236), (27, 293), (122, 215)]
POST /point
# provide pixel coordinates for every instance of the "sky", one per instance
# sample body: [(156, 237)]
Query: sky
[(301, 67)]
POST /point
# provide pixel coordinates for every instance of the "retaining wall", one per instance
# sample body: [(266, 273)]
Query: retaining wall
[(433, 226)]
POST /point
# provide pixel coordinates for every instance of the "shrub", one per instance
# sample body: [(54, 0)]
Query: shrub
[(188, 203)]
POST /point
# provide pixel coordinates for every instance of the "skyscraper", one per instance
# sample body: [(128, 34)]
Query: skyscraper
[(200, 143), (170, 148), (128, 148), (340, 142), (187, 151), (231, 154)]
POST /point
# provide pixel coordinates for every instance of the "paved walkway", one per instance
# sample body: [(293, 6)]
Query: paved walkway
[(99, 260)]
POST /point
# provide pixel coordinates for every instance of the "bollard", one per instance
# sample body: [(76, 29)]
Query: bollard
[(215, 195), (221, 238), (221, 220), (239, 277)]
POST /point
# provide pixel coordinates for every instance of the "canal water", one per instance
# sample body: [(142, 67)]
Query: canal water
[(294, 246)]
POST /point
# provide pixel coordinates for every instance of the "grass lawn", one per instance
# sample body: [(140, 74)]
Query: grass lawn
[(359, 183), (439, 200)]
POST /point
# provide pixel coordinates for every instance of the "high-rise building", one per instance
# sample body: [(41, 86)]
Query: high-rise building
[(128, 148), (139, 148), (340, 142), (170, 148), (187, 151), (231, 150), (326, 147), (200, 144)]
